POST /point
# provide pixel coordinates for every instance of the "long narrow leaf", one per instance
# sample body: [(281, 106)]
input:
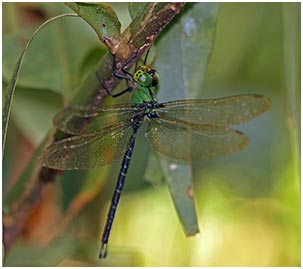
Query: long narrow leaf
[(190, 41), (9, 92)]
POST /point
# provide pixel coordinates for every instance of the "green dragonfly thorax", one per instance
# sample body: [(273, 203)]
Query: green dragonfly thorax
[(141, 95), (147, 80)]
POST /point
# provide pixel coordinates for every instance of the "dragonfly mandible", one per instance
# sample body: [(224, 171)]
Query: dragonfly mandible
[(183, 130)]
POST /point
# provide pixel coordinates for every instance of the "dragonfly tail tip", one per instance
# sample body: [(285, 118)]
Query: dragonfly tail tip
[(103, 251)]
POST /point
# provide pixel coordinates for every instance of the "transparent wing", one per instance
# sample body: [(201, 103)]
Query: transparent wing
[(78, 120), (193, 142), (88, 151), (220, 112)]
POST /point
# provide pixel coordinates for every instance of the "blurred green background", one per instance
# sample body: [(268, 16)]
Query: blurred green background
[(248, 204)]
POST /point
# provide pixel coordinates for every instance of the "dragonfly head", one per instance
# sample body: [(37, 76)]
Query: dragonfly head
[(146, 76)]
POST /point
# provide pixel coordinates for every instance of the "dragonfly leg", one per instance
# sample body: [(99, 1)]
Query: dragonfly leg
[(128, 89), (123, 68), (116, 197), (128, 75), (146, 55), (151, 93)]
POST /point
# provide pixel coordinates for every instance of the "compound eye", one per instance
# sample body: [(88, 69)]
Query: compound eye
[(151, 72), (155, 77), (155, 81)]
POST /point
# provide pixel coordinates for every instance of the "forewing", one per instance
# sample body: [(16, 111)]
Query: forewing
[(79, 120), (185, 143), (219, 112), (88, 151)]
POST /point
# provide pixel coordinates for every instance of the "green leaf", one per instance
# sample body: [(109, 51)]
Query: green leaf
[(102, 19), (9, 92), (291, 72), (54, 59), (153, 172), (24, 112), (291, 100), (136, 8), (179, 180), (189, 41)]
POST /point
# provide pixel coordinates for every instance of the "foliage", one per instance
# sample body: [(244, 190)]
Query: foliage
[(247, 204)]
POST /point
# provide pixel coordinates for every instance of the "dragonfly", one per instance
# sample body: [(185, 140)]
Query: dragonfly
[(182, 130)]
